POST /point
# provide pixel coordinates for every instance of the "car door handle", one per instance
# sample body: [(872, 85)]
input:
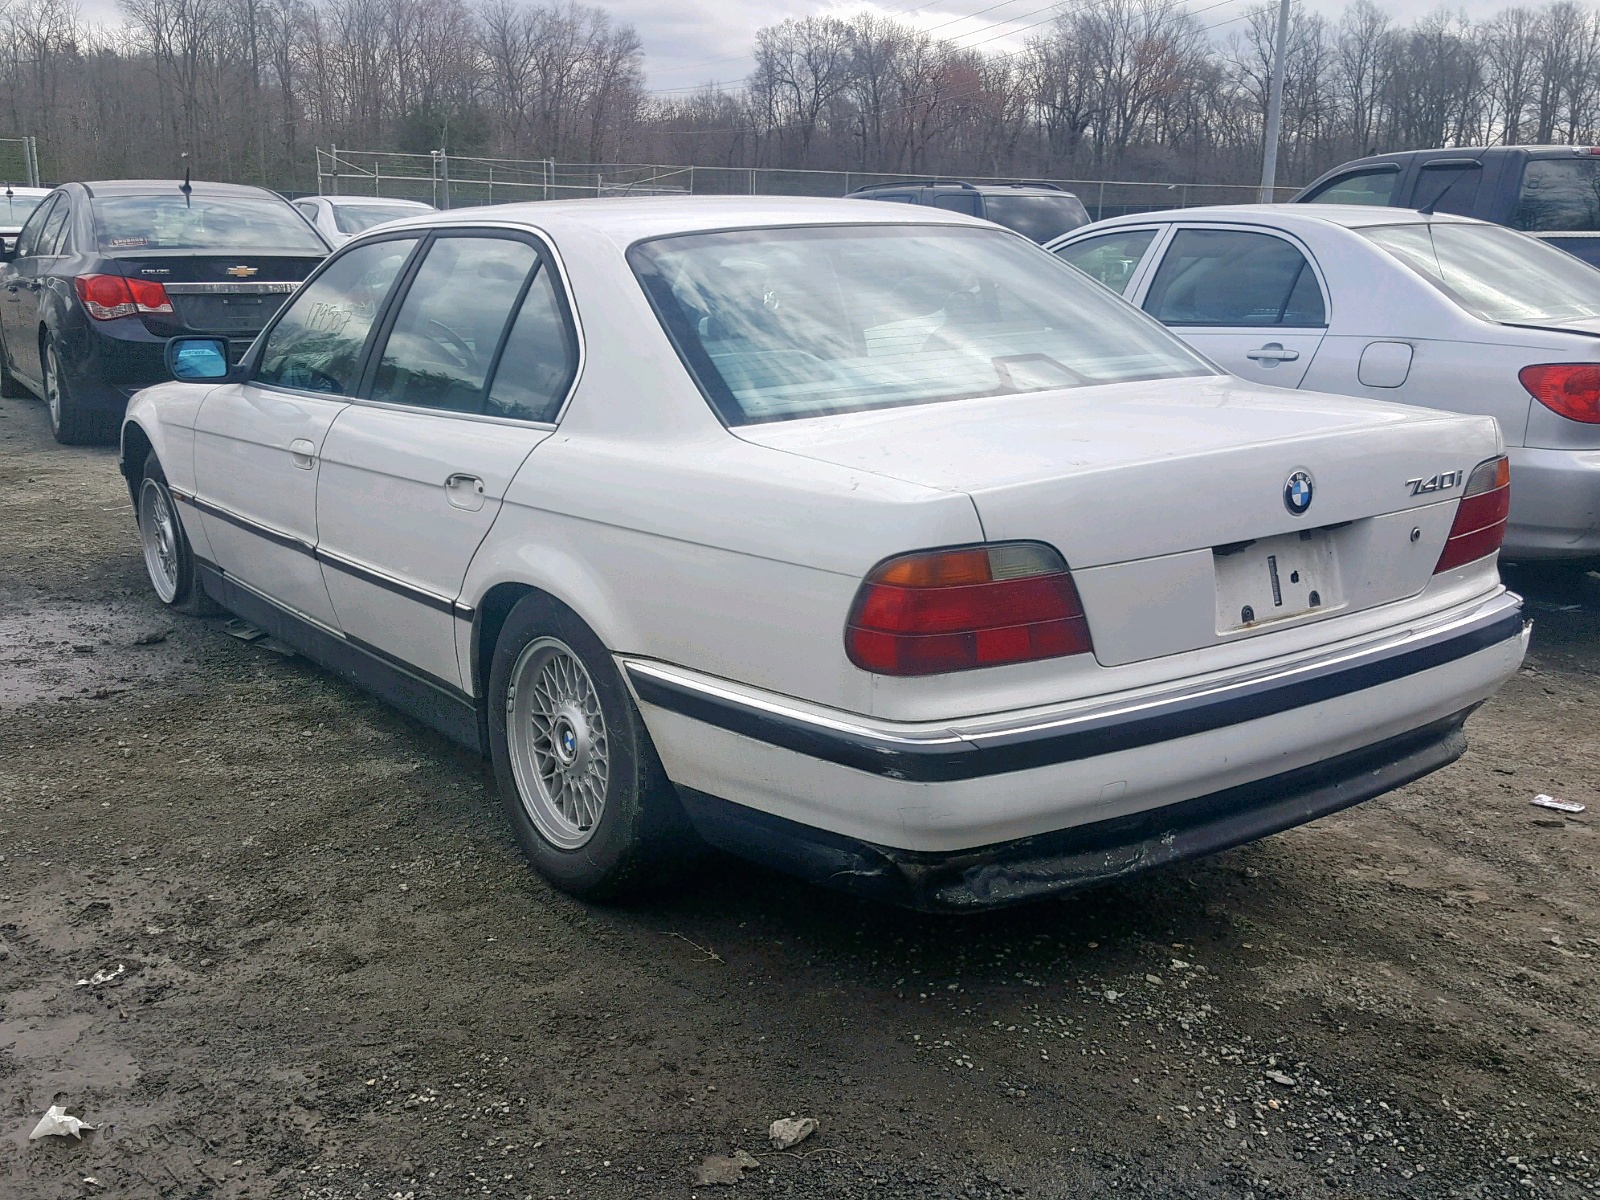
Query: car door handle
[(303, 451), (464, 491), (1272, 353)]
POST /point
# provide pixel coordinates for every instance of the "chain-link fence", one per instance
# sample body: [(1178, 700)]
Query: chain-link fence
[(19, 162), (455, 181)]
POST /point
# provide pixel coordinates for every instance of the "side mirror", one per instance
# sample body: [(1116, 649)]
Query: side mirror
[(8, 250), (198, 360)]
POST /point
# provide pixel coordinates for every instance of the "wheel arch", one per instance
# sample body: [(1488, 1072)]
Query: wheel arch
[(136, 447)]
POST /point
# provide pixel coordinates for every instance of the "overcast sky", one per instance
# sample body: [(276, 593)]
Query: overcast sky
[(690, 42)]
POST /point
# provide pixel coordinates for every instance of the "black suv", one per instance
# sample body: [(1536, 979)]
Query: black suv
[(1552, 192), (1039, 211), (103, 274)]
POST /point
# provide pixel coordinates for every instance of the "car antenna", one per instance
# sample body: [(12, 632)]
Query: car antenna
[(186, 187)]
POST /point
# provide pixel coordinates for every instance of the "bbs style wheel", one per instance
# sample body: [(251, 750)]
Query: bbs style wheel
[(578, 775)]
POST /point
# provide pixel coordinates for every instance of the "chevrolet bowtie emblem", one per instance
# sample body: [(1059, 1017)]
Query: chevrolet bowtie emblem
[(241, 272)]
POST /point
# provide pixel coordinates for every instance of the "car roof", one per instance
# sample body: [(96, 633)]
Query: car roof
[(160, 187), (626, 220), (1288, 216), (396, 200), (16, 190)]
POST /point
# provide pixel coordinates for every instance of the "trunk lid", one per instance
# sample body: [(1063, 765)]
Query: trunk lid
[(230, 294), (1168, 499)]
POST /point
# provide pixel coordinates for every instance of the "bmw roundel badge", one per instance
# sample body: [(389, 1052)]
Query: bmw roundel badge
[(1297, 493)]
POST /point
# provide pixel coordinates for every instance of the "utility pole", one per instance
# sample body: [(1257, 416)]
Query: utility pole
[(1269, 155)]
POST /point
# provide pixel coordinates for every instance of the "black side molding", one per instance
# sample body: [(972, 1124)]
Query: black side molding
[(945, 761)]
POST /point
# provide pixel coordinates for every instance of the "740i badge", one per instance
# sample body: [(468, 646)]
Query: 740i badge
[(1439, 483)]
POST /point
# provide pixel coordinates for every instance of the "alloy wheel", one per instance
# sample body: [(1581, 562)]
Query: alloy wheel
[(556, 736)]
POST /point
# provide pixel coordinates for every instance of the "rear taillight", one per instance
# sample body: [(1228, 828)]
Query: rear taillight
[(1570, 389), (107, 297), (953, 610), (1480, 524)]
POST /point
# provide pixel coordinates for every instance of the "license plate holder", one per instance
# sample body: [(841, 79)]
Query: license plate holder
[(1274, 579)]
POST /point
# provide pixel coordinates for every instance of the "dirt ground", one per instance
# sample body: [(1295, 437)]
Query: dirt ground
[(333, 976)]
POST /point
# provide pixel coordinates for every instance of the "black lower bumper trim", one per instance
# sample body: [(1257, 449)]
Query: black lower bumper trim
[(1034, 867)]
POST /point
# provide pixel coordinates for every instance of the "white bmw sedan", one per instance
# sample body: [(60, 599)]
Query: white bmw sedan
[(873, 543), (1434, 310)]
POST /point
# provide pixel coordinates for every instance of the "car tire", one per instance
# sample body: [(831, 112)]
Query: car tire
[(168, 556), (11, 388), (71, 422), (579, 777)]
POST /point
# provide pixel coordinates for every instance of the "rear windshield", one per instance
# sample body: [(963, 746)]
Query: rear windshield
[(1038, 217), (1494, 273), (1559, 194), (168, 222), (357, 218), (776, 324), (14, 210)]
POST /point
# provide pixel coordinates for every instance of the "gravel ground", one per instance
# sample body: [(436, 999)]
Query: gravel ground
[(332, 975)]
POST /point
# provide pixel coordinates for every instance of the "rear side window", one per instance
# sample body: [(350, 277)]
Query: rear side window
[(1111, 258), (316, 344), (53, 235), (448, 329), (28, 239), (1559, 195), (1449, 189), (540, 356), (1040, 218), (1225, 277), (961, 202), (223, 222), (1359, 187)]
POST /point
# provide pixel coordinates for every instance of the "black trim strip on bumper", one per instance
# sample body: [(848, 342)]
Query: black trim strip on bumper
[(1085, 855), (948, 760)]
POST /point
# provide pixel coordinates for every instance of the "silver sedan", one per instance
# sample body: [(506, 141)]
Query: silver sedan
[(1434, 310)]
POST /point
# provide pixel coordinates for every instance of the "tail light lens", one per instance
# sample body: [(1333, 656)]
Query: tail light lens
[(953, 610), (107, 297), (1570, 389), (1480, 524)]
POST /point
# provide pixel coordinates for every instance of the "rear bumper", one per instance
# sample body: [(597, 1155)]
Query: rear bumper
[(986, 789), (1555, 504), (1084, 855), (106, 362)]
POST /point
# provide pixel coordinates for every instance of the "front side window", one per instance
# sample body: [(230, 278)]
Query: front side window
[(1360, 187), (316, 344), (1494, 273), (1111, 258), (779, 324), (449, 325), (1227, 277), (28, 239), (169, 221), (1559, 195)]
